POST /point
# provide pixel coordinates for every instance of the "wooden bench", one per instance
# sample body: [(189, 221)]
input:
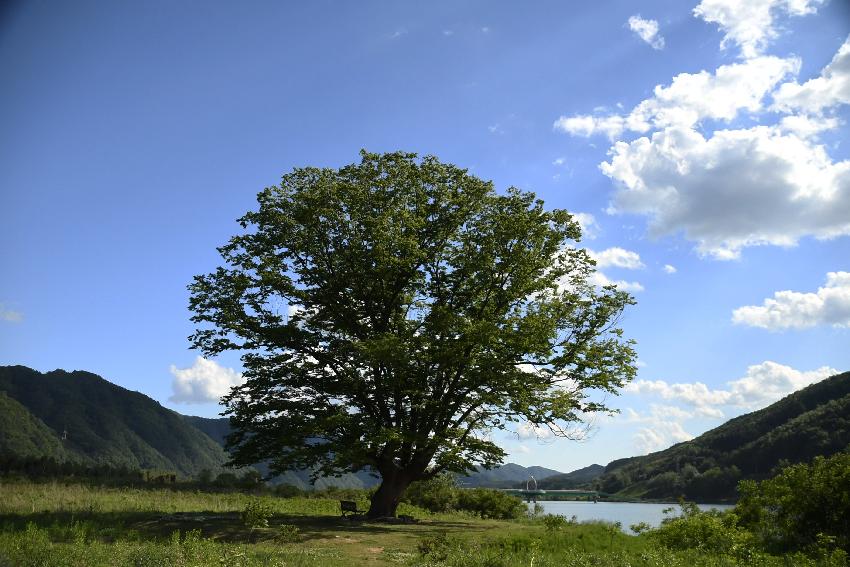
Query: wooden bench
[(350, 507)]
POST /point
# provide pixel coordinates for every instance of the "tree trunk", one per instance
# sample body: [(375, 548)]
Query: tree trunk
[(386, 498)]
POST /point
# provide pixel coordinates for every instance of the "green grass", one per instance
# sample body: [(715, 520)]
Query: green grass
[(71, 524)]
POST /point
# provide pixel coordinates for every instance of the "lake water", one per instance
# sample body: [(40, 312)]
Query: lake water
[(627, 513)]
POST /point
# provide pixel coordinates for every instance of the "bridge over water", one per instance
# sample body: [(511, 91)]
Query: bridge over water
[(531, 493), (534, 494)]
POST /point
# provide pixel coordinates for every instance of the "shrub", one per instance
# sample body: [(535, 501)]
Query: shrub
[(436, 547), (554, 523), (489, 503), (256, 514), (288, 491), (711, 531), (287, 533), (440, 494), (640, 527), (806, 507)]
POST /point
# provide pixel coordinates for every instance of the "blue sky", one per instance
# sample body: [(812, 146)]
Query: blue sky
[(704, 144)]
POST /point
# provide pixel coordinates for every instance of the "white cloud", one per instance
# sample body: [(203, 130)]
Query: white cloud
[(693, 393), (598, 278), (728, 189), (448, 33), (204, 381), (527, 430), (617, 257), (601, 280), (293, 310), (398, 33), (750, 23), (829, 305), (762, 385), (495, 129), (668, 269), (589, 226), (559, 161), (831, 88), (691, 98), (734, 189), (647, 30), (669, 412), (807, 126), (522, 449), (768, 382), (583, 125), (10, 315), (659, 436)]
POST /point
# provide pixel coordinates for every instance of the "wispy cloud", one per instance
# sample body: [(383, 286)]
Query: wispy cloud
[(647, 30), (10, 315), (589, 227), (750, 24), (762, 385)]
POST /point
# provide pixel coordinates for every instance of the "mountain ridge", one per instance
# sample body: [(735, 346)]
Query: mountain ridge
[(99, 422), (105, 424), (807, 423)]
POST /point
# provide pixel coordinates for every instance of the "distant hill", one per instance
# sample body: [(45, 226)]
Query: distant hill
[(580, 478), (219, 428), (103, 424), (505, 476), (813, 421)]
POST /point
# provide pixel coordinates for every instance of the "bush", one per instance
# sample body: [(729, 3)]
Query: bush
[(806, 507), (436, 547), (440, 494), (554, 523), (287, 533), (256, 514), (489, 503), (710, 531), (287, 491)]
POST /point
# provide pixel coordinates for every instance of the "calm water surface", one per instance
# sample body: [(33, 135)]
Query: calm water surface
[(627, 513)]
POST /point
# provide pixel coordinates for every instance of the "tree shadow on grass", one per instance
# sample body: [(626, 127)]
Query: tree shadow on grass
[(225, 527)]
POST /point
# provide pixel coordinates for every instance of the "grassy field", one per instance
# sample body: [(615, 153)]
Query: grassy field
[(60, 524)]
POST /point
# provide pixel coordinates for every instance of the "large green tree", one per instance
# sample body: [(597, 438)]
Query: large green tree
[(393, 312)]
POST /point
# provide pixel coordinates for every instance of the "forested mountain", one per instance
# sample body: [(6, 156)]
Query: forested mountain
[(103, 424), (24, 435), (813, 421), (576, 479)]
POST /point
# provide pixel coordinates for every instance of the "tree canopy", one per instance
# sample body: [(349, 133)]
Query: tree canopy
[(394, 311)]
